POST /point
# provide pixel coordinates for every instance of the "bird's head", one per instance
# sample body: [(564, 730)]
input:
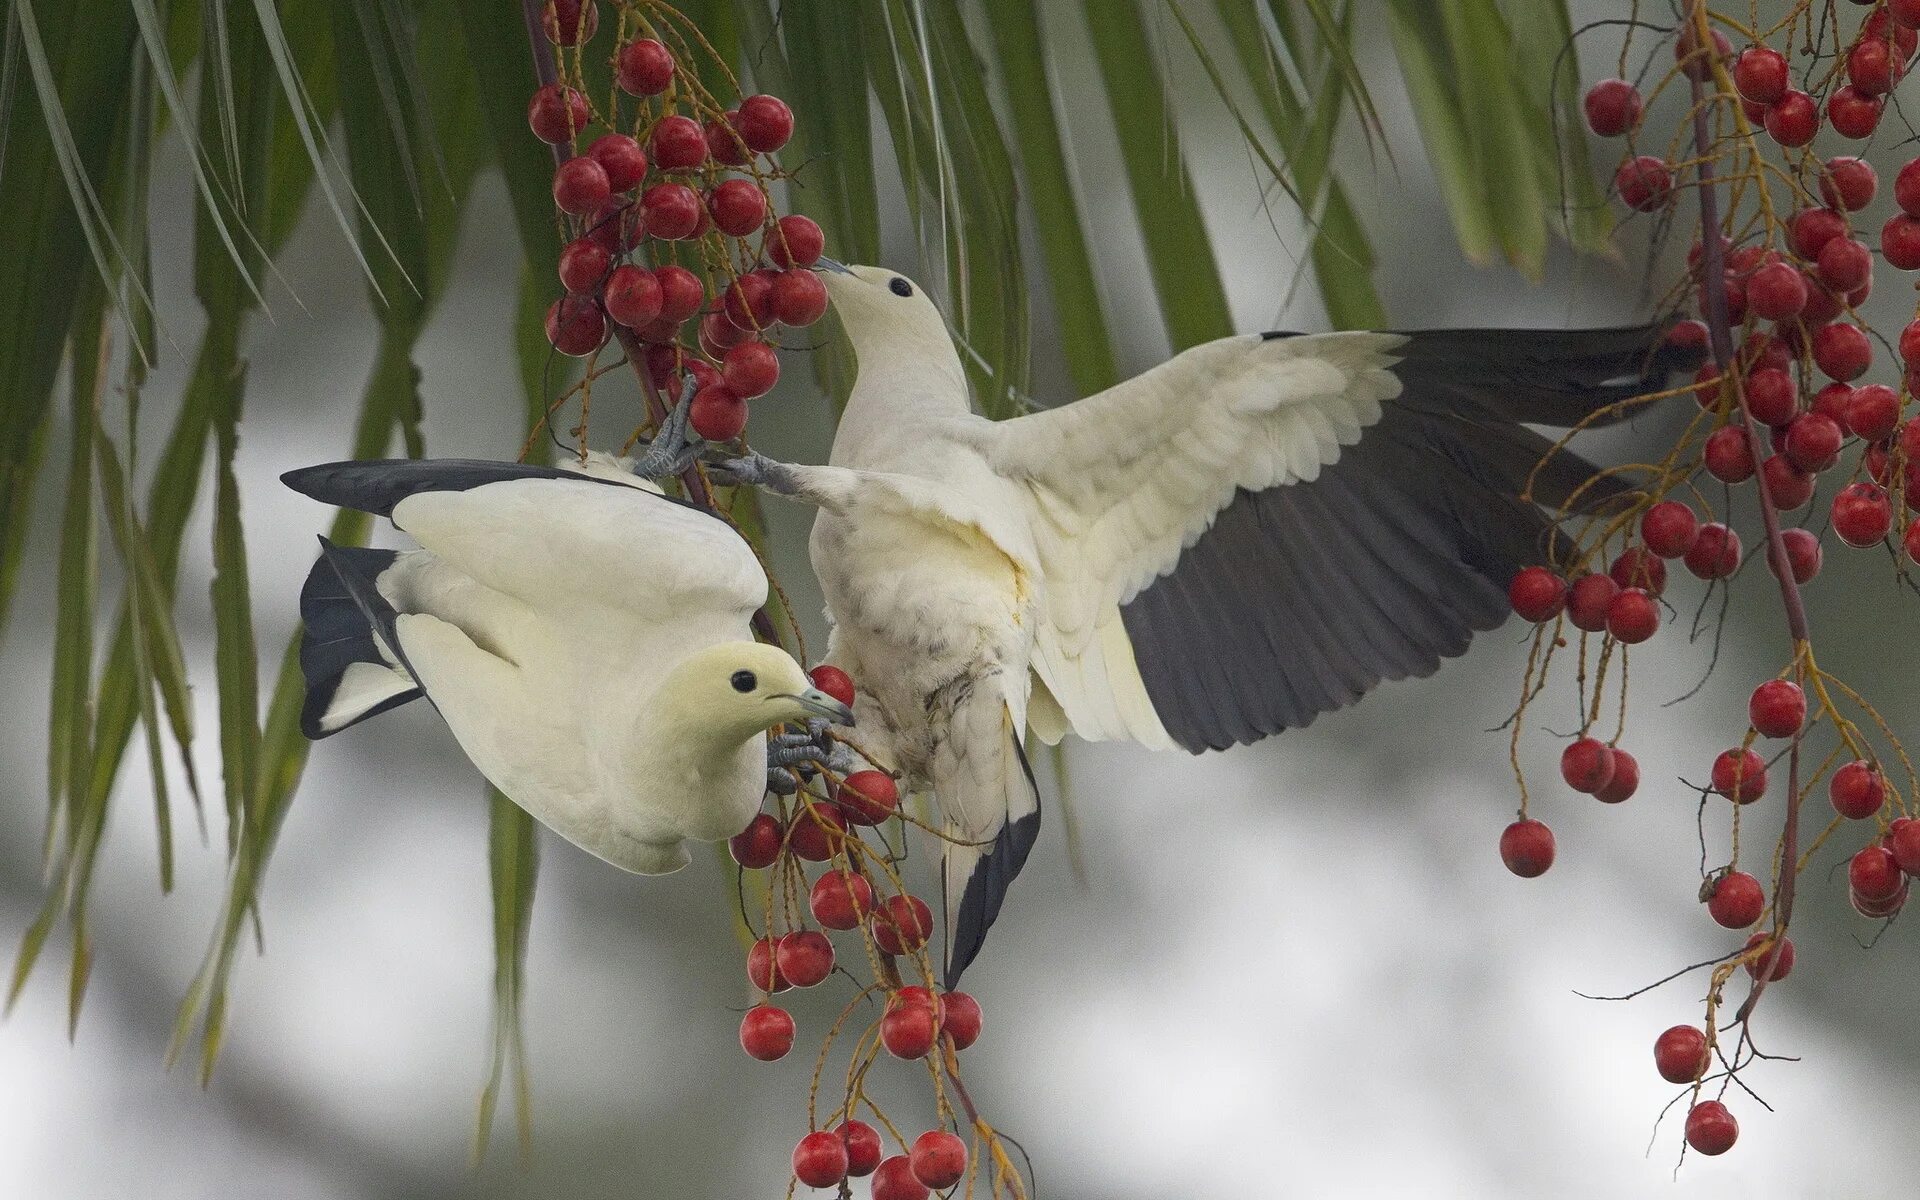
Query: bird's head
[(887, 316), (737, 689)]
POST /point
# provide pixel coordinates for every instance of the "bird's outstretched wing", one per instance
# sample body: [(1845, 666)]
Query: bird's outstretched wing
[(1263, 528)]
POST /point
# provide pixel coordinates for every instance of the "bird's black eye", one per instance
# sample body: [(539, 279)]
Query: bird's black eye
[(744, 681), (900, 287)]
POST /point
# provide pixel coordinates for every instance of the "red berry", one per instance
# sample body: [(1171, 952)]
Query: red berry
[(863, 1147), (1668, 528), (840, 900), (1853, 113), (765, 123), (1625, 781), (1728, 455), (1777, 291), (719, 335), (903, 924), (1811, 229), (1862, 514), (580, 186), (1693, 62), (1787, 485), (834, 682), (915, 994), (1632, 618), (939, 1159), (1715, 553), (804, 957), (659, 332), (583, 264), (681, 293), (1803, 554), (1688, 335), (766, 1032), (643, 68), (1906, 15), (1761, 75), (1613, 107), (1711, 1129), (1644, 183), (1793, 119), (1911, 539), (678, 144), (1537, 594), (1706, 384), (723, 141), (798, 297), (1771, 396), (960, 1019), (1740, 776), (819, 829), (893, 1180), (718, 416), (570, 22), (633, 296), (1872, 411), (750, 369), (673, 210), (1813, 441), (763, 966), (1904, 841), (1777, 708), (1906, 188), (1680, 1054), (748, 301), (1874, 874), (1848, 183), (1872, 67), (556, 113), (576, 326), (908, 1030), (1588, 599), (1845, 265), (1527, 848), (1900, 242), (796, 241), (1780, 957), (1879, 909), (758, 844), (738, 207), (1737, 901), (820, 1160), (1857, 790), (615, 226), (1638, 567), (869, 797), (1586, 765), (621, 158), (1842, 351)]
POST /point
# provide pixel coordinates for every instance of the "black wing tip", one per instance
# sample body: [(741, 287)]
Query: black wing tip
[(987, 886)]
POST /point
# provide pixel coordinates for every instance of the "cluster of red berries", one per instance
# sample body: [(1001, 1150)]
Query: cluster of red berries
[(662, 184), (916, 1019)]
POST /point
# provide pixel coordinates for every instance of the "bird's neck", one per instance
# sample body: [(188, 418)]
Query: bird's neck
[(903, 375)]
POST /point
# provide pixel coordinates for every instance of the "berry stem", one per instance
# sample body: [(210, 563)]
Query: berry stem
[(1713, 269)]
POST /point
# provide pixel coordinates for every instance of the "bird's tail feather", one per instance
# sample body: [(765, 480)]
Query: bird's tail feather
[(986, 789), (351, 673)]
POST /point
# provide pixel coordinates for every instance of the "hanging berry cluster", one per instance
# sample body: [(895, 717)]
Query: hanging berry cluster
[(1787, 401), (676, 250)]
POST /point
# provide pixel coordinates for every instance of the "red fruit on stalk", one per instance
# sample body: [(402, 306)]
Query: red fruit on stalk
[(1787, 485), (1587, 601), (817, 830), (1632, 617), (633, 296), (1862, 514), (677, 144), (1823, 305), (1612, 106), (738, 207), (1813, 441), (643, 68), (681, 292), (1527, 848), (1668, 528), (758, 844), (1910, 540), (1728, 455), (1586, 765), (763, 966), (863, 1147), (904, 924), (1537, 594), (1842, 351), (621, 158), (1624, 781), (1811, 229), (939, 1159), (796, 241), (1857, 790), (1715, 553), (576, 326), (798, 298), (1853, 113), (1693, 62), (1644, 183), (1761, 351), (869, 797), (1711, 1129), (1910, 441), (1777, 708), (615, 226), (718, 416), (1874, 874), (556, 113), (1904, 840), (893, 1180), (1848, 183), (1803, 554), (1780, 957), (1706, 385), (1777, 291), (1793, 119), (672, 211), (820, 1160), (580, 186), (1872, 411), (1736, 902), (719, 335), (1872, 68), (1772, 397), (1639, 567), (840, 900), (1736, 298), (583, 264), (960, 1019), (804, 957), (1845, 265), (1760, 74), (1688, 335), (747, 301), (659, 332), (1879, 909), (1900, 242), (1680, 1054), (765, 123), (766, 1032), (1740, 775), (1906, 188), (750, 369), (908, 1030), (724, 143), (834, 682), (1906, 16), (569, 22)]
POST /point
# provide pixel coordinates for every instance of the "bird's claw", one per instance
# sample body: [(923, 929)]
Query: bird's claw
[(671, 451), (792, 753), (754, 469)]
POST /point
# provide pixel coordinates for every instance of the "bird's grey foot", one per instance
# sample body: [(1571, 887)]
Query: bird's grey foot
[(671, 451), (755, 469), (805, 753)]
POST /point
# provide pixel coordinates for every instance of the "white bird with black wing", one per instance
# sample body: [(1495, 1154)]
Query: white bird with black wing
[(1255, 532), (585, 637)]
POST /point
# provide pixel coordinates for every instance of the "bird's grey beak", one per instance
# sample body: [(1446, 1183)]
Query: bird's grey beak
[(819, 703), (827, 264)]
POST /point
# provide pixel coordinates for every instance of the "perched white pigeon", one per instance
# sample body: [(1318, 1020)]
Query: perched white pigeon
[(1253, 533), (585, 637)]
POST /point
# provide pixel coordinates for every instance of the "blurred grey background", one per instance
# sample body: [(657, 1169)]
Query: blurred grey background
[(1292, 970)]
